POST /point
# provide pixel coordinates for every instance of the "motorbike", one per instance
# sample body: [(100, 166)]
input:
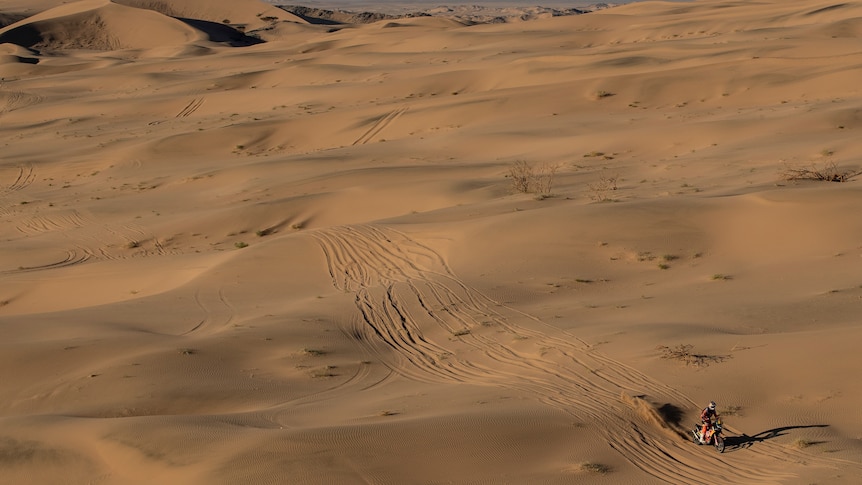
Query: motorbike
[(714, 439)]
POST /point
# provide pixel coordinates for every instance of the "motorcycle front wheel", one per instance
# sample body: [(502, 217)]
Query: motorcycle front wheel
[(719, 444)]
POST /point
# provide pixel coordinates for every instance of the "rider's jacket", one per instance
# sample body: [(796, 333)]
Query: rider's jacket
[(707, 414)]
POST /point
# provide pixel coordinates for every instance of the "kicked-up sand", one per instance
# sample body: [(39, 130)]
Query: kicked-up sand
[(239, 247)]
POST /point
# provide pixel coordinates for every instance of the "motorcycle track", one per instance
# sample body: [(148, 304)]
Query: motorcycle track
[(422, 322), (379, 126)]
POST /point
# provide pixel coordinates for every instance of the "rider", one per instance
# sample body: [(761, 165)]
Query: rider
[(706, 417)]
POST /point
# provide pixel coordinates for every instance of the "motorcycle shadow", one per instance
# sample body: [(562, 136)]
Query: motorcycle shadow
[(743, 441)]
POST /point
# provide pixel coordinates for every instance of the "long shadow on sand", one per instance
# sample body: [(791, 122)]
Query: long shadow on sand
[(221, 33), (734, 443)]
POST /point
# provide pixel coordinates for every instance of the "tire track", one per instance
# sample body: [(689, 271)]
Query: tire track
[(55, 222), (190, 108), (108, 241), (427, 325), (26, 176), (73, 257), (11, 101), (217, 312), (379, 126)]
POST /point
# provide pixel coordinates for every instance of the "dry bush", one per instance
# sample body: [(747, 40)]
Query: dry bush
[(594, 468), (732, 411), (601, 190), (684, 353), (803, 443), (521, 174), (601, 94), (528, 179), (828, 172)]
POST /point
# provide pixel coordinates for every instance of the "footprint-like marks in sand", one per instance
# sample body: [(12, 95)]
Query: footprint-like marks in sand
[(424, 323), (379, 126)]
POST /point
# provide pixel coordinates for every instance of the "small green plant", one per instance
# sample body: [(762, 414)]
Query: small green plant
[(240, 245), (601, 94), (461, 332), (663, 266), (719, 276)]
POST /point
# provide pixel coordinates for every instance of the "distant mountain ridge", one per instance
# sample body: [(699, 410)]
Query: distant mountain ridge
[(470, 14)]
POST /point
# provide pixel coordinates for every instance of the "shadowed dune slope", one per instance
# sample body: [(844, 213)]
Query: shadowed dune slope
[(251, 14), (112, 25), (98, 25)]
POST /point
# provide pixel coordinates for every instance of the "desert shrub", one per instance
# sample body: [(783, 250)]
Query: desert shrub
[(684, 353), (313, 352), (529, 179), (803, 443), (325, 371), (603, 188), (594, 468), (827, 172)]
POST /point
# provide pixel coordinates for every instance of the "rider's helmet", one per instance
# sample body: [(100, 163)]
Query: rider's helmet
[(712, 405)]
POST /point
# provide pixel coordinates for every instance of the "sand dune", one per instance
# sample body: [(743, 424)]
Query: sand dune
[(97, 25), (239, 247)]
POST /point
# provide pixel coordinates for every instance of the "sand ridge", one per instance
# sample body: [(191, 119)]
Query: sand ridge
[(275, 250)]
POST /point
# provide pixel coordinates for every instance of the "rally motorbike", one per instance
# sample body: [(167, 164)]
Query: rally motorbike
[(713, 436)]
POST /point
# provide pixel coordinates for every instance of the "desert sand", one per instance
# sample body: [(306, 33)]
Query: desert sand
[(237, 247)]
